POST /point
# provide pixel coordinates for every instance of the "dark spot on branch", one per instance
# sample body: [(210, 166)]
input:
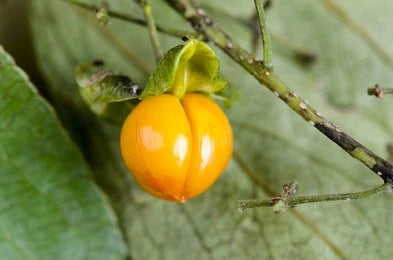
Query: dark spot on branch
[(195, 22), (342, 139), (284, 98), (385, 170)]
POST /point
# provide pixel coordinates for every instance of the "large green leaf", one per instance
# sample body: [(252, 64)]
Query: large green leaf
[(49, 206), (275, 144)]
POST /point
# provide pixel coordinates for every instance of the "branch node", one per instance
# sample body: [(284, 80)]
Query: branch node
[(379, 91), (280, 205)]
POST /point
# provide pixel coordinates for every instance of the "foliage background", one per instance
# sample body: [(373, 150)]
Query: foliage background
[(276, 146)]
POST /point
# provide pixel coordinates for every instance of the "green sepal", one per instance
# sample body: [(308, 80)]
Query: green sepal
[(192, 67), (99, 85), (103, 91)]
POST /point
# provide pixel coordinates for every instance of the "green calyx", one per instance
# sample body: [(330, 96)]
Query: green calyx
[(108, 95), (192, 67)]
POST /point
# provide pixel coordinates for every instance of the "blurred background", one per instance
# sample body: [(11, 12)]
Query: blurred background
[(16, 37)]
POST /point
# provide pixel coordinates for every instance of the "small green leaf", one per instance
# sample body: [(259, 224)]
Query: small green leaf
[(102, 90), (192, 67)]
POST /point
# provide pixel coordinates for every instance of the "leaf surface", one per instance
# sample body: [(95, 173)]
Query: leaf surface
[(50, 208)]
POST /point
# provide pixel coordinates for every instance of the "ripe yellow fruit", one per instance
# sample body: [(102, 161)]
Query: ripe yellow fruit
[(176, 149)]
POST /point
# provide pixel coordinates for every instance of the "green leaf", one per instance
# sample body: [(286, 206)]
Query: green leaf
[(99, 85), (103, 90), (186, 68), (276, 145), (50, 207)]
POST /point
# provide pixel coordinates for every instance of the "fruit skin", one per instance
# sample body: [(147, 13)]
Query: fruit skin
[(176, 149)]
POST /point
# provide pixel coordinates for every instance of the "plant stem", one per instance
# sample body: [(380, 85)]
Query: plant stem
[(205, 25), (267, 48), (151, 25), (130, 18), (260, 182), (293, 201)]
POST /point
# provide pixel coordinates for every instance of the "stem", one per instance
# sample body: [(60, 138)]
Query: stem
[(259, 181), (151, 25), (293, 201), (130, 18), (203, 24), (122, 48), (267, 48), (304, 55)]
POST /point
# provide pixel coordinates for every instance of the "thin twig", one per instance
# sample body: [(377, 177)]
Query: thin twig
[(293, 201), (130, 18), (122, 48), (267, 48), (300, 52), (259, 181), (151, 25), (205, 25)]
